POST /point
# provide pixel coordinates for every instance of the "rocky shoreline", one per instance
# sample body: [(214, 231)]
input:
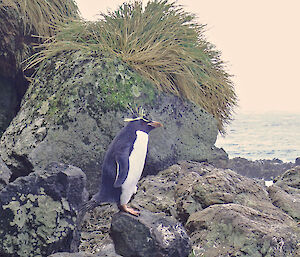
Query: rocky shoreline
[(224, 213), (218, 212)]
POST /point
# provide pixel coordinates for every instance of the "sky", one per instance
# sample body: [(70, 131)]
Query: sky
[(259, 41)]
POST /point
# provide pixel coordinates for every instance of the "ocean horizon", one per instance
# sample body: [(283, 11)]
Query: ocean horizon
[(257, 136)]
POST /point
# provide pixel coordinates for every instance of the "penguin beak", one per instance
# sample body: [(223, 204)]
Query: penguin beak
[(155, 124)]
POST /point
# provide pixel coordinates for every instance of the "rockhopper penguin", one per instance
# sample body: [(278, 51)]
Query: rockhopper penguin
[(123, 165)]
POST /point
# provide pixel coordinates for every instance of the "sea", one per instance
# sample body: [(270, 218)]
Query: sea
[(257, 136)]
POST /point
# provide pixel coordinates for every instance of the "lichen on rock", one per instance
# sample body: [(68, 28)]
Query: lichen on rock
[(38, 213)]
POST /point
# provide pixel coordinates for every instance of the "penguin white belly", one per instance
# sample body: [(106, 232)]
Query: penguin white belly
[(136, 166)]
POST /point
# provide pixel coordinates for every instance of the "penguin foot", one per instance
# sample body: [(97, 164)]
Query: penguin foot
[(125, 208)]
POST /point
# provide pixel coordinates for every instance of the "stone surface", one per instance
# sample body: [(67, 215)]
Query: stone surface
[(95, 229), (149, 235), (5, 174), (285, 193), (289, 180), (237, 230), (107, 251), (66, 254), (76, 106), (187, 187), (38, 212), (8, 102), (262, 169)]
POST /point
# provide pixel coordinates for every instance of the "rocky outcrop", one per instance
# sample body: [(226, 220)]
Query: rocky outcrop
[(262, 169), (38, 212), (5, 174), (149, 235), (285, 193), (238, 230), (224, 213), (74, 108)]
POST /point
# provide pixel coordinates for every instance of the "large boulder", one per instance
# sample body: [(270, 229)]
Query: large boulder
[(75, 107), (38, 212), (149, 235)]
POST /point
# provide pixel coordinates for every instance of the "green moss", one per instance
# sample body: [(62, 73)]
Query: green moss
[(102, 84)]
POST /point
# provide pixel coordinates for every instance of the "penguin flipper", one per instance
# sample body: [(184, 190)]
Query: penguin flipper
[(122, 161)]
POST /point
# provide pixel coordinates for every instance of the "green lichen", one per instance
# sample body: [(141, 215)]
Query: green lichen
[(94, 83), (39, 221)]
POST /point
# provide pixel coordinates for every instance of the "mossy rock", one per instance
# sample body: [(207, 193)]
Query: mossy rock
[(77, 104)]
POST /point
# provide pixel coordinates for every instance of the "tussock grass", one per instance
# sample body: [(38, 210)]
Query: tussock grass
[(160, 41), (38, 16)]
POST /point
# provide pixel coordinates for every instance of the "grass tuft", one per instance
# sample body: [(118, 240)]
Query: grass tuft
[(160, 41), (38, 16)]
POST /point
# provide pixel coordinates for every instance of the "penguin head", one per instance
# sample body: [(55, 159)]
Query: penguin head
[(143, 124)]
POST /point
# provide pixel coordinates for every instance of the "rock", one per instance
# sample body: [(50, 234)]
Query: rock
[(95, 230), (38, 212), (224, 213), (8, 102), (188, 187), (289, 180), (157, 193), (66, 254), (237, 230), (261, 169), (75, 107), (5, 174), (149, 235), (108, 251), (289, 203), (285, 193)]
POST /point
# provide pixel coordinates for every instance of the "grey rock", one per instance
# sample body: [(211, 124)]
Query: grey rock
[(285, 193), (261, 169), (149, 235), (8, 102), (237, 230), (224, 213), (191, 188), (188, 187), (67, 254), (290, 179), (5, 174), (107, 251), (38, 212), (95, 230), (74, 109)]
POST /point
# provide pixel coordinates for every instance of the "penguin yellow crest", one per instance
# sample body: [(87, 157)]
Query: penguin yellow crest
[(139, 114)]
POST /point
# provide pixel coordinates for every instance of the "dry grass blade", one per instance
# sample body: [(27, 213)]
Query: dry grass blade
[(160, 41), (38, 16)]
